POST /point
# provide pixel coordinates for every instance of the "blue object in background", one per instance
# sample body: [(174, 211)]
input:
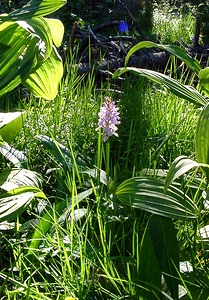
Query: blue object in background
[(123, 26)]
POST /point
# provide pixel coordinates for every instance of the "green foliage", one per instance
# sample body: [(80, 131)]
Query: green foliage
[(165, 197), (166, 250), (201, 141), (31, 59), (148, 194), (175, 23), (180, 53), (17, 193), (186, 92), (34, 8), (11, 124), (93, 238), (180, 166)]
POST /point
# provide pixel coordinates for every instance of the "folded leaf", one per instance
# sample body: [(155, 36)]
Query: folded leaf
[(179, 167), (183, 91), (175, 50), (148, 194), (57, 30)]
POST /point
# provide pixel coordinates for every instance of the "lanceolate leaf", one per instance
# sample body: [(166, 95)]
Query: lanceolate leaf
[(148, 194), (61, 153), (44, 82), (163, 236), (204, 80), (34, 8), (202, 138), (186, 92), (192, 63), (11, 124), (180, 166)]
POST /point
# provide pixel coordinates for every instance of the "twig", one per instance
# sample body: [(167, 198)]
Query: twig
[(72, 37)]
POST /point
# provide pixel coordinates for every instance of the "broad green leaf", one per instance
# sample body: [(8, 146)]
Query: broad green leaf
[(163, 236), (148, 194), (149, 267), (30, 43), (11, 124), (204, 80), (186, 92), (44, 82), (41, 28), (46, 223), (175, 50), (202, 138), (180, 166), (57, 30), (15, 202), (33, 9), (18, 60), (15, 178), (17, 158)]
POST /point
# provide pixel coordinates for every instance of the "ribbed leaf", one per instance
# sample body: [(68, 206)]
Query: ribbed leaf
[(30, 43), (202, 138), (34, 8), (186, 92), (15, 178), (18, 60), (17, 158), (44, 82), (41, 28), (204, 80), (11, 124), (192, 63), (15, 202), (57, 30), (180, 166), (148, 194), (61, 153)]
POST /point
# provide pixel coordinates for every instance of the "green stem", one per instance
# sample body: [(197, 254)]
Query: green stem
[(107, 158)]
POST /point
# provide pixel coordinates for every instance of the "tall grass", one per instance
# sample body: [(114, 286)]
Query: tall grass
[(93, 248)]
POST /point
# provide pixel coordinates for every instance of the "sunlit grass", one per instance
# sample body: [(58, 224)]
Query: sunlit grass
[(174, 26), (92, 250)]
